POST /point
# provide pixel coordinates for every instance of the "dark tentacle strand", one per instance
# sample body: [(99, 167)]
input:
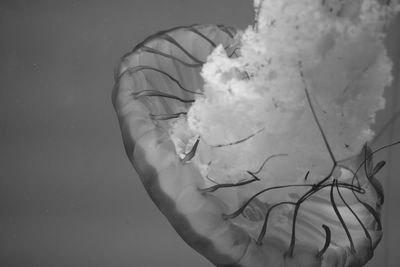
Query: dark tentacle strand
[(266, 160), (166, 116), (159, 53), (327, 241), (174, 42), (352, 248), (354, 214), (264, 227), (234, 52), (253, 174), (228, 30), (194, 30), (227, 185), (378, 167), (239, 141), (315, 115), (192, 152), (160, 94)]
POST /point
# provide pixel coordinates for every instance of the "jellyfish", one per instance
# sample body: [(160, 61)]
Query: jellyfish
[(252, 179)]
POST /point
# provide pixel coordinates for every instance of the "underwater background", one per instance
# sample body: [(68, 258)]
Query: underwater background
[(68, 194)]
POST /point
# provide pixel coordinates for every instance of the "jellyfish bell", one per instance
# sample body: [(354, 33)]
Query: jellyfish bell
[(174, 94), (145, 95)]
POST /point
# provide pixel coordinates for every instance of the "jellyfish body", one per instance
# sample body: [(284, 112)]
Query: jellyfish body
[(332, 222)]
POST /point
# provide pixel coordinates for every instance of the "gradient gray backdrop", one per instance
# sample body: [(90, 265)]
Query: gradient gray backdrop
[(68, 195)]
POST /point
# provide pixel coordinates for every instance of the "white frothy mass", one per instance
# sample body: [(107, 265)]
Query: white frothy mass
[(254, 106)]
